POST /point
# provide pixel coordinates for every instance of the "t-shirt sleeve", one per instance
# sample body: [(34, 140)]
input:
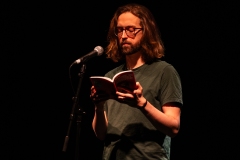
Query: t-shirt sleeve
[(171, 88)]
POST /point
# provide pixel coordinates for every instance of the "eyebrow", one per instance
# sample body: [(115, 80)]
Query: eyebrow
[(127, 26)]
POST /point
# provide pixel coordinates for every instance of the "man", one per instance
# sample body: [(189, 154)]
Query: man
[(138, 125)]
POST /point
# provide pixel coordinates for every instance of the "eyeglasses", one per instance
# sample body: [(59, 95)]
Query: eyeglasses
[(130, 31)]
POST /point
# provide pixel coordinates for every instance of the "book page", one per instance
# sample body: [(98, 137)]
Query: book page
[(103, 85), (101, 77), (125, 81), (122, 72)]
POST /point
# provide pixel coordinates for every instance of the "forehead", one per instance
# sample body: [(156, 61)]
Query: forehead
[(128, 19)]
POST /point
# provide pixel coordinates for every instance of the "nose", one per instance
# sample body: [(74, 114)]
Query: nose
[(124, 34)]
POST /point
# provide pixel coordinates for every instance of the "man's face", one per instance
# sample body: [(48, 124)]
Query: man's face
[(129, 44)]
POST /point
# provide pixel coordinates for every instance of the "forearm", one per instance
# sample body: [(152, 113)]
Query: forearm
[(164, 122), (99, 123)]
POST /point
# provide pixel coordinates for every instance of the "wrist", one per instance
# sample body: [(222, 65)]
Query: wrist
[(143, 105)]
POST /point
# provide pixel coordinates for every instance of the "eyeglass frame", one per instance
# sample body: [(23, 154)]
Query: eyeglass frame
[(126, 29)]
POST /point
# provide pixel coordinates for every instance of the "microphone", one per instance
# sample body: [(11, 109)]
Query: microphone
[(98, 51)]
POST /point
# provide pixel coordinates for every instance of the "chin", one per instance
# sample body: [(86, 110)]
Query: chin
[(127, 52)]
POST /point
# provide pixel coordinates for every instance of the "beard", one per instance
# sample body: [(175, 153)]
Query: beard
[(130, 48)]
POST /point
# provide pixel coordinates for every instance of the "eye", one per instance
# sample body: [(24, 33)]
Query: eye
[(130, 29), (119, 29)]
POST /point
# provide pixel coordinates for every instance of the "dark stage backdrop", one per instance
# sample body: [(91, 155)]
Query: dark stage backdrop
[(42, 38)]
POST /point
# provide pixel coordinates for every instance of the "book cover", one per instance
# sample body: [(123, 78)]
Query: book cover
[(123, 82)]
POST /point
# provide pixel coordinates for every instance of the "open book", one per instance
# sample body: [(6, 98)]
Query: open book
[(123, 81)]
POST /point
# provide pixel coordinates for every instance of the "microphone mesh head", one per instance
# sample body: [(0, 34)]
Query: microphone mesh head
[(99, 50)]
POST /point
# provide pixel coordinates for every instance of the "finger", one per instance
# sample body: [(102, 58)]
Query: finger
[(137, 92), (138, 86), (92, 90), (125, 95)]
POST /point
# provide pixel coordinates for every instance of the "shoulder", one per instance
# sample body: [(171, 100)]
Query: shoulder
[(160, 65), (162, 68)]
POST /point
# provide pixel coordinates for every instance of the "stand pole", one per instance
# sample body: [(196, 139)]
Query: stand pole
[(76, 110)]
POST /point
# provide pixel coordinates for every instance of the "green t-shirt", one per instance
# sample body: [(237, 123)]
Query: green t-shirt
[(130, 134)]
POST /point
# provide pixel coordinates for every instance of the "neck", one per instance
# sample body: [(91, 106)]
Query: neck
[(134, 61)]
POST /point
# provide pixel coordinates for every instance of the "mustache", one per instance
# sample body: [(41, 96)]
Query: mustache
[(125, 42)]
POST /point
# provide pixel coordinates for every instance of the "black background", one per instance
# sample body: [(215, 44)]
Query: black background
[(42, 38)]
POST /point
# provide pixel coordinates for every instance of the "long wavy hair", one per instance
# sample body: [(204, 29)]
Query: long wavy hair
[(151, 44)]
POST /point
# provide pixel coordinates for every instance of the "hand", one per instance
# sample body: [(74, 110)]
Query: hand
[(97, 98), (135, 98)]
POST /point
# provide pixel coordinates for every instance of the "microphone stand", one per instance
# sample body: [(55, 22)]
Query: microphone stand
[(76, 110)]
